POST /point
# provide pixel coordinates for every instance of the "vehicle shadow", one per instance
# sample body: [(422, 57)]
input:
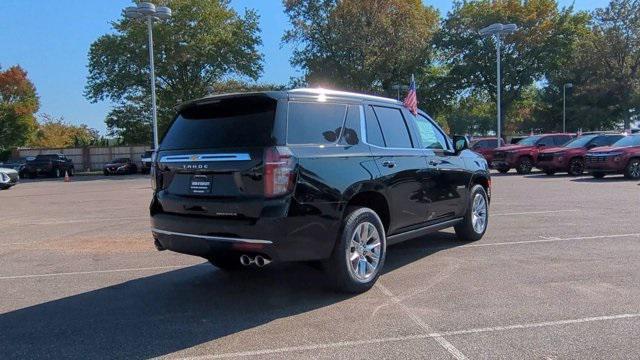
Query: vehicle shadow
[(161, 314), (612, 178)]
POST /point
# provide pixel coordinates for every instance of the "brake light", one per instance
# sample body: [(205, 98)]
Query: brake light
[(279, 171)]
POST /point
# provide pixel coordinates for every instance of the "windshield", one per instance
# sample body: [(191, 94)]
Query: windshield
[(581, 141), (633, 140), (46, 157), (529, 141), (121, 161)]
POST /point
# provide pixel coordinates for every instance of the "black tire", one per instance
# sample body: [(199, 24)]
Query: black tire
[(227, 263), (549, 172), (71, 172), (503, 170), (598, 175), (465, 229), (576, 167), (632, 171), (105, 172), (525, 164), (339, 266), (55, 173)]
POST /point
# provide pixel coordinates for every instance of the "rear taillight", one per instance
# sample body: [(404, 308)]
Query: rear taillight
[(279, 171)]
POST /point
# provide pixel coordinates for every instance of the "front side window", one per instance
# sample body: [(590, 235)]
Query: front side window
[(430, 135), (394, 129), (315, 123), (633, 140), (546, 141)]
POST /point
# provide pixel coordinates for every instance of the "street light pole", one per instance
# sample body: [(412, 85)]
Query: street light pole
[(564, 105), (499, 85), (497, 30), (150, 13), (154, 108)]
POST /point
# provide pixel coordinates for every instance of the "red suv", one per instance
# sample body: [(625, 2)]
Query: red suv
[(523, 155), (623, 157), (485, 147), (570, 157)]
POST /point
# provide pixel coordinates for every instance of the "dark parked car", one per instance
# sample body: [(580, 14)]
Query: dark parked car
[(18, 165), (145, 159), (120, 166), (524, 154), (308, 175), (570, 157), (623, 157), (53, 165), (485, 147)]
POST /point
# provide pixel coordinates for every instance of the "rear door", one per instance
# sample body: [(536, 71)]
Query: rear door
[(402, 166), (211, 159)]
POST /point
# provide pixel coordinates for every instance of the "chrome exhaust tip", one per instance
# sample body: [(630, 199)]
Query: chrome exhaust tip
[(261, 261), (246, 260)]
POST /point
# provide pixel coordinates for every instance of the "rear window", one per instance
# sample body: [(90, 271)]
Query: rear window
[(315, 123), (226, 123)]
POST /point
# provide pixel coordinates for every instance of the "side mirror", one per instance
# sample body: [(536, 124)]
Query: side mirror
[(460, 143)]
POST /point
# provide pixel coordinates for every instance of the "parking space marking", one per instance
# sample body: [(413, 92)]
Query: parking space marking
[(94, 272), (534, 212), (552, 239), (421, 323), (342, 344)]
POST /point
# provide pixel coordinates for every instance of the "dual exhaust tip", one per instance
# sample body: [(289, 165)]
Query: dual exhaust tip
[(258, 260)]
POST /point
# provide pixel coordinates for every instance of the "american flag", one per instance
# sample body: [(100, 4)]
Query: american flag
[(411, 101)]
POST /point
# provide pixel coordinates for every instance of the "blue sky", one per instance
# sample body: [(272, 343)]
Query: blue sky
[(50, 39)]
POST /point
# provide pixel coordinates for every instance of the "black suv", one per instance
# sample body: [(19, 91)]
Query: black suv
[(304, 175)]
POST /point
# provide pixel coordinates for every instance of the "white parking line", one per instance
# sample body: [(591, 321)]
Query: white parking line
[(342, 344), (93, 272), (416, 319), (533, 212), (552, 239)]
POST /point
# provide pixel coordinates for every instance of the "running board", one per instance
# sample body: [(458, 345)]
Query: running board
[(394, 239)]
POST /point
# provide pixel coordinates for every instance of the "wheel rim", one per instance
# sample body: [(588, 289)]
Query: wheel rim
[(525, 165), (577, 167), (479, 214), (634, 169), (364, 252)]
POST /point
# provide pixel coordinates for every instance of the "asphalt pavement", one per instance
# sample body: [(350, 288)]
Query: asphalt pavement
[(556, 276)]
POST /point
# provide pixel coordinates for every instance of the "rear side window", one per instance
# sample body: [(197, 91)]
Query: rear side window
[(374, 133), (561, 140), (394, 129), (351, 127), (226, 123), (314, 123)]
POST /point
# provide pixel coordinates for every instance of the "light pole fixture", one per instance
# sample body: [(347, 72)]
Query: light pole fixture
[(150, 13), (497, 30), (564, 105)]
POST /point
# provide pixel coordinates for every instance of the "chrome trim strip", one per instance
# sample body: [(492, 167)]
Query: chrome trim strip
[(205, 157), (215, 238)]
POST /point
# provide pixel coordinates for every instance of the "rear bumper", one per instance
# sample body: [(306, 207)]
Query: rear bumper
[(292, 238)]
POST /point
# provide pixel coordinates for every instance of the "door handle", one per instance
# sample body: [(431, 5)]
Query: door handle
[(389, 164)]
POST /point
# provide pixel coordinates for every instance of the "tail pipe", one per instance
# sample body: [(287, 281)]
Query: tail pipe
[(259, 260)]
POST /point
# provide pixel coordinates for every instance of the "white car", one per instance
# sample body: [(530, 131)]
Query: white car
[(8, 178)]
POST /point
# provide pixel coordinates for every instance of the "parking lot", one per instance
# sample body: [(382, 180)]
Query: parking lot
[(556, 276)]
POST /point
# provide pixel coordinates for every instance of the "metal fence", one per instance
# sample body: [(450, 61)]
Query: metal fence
[(90, 158)]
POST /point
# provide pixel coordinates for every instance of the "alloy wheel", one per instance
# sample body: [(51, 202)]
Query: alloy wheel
[(577, 167), (364, 252), (634, 169), (479, 214)]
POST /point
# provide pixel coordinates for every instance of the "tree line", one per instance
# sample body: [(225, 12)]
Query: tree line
[(370, 46)]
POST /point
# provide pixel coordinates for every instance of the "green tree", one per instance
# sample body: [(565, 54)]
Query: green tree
[(362, 45), (204, 43), (56, 133), (604, 69), (18, 104), (546, 35)]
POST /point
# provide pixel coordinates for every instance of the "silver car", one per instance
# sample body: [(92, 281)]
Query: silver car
[(8, 178)]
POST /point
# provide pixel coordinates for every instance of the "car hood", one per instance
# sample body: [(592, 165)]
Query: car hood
[(604, 149), (7, 171)]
